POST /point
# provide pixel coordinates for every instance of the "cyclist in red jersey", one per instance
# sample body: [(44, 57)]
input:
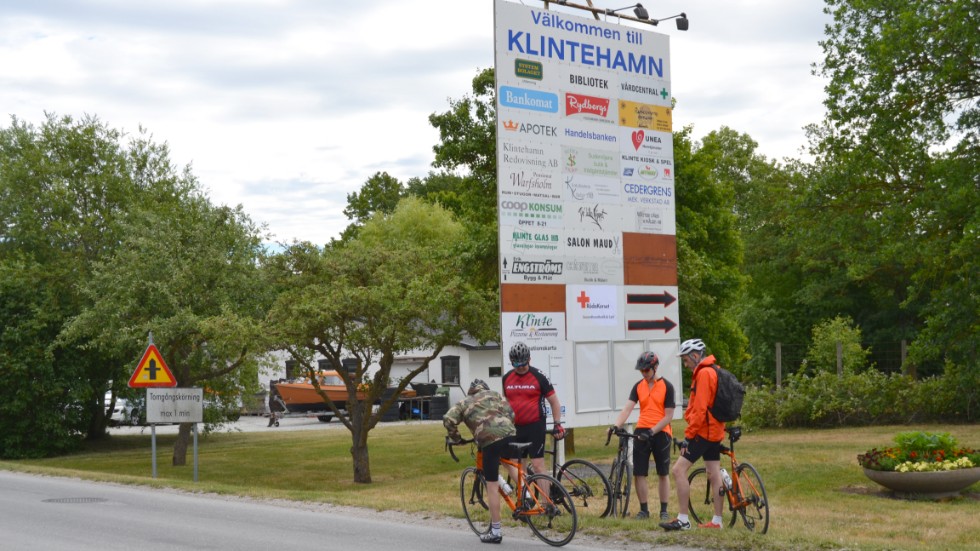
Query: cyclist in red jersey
[(526, 389)]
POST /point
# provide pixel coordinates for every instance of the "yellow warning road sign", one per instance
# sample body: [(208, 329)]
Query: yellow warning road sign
[(152, 371)]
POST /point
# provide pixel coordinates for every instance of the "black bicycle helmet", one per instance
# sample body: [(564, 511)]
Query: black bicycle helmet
[(477, 385), (647, 360), (520, 354)]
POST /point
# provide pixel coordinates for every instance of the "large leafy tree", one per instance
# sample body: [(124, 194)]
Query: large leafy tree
[(65, 187), (396, 287), (467, 155), (380, 193), (191, 278), (898, 173), (709, 246)]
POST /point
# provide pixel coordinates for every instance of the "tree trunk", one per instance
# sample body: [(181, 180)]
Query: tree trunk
[(180, 445), (360, 416), (362, 463)]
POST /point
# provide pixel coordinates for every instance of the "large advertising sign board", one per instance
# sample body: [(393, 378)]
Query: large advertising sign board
[(585, 181)]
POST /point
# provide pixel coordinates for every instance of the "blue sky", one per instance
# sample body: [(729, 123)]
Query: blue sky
[(286, 106)]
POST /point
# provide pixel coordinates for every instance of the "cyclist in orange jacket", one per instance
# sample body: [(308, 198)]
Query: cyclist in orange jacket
[(703, 435)]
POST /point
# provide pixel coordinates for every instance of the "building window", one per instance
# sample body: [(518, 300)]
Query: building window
[(291, 369), (450, 370), (495, 371), (351, 365)]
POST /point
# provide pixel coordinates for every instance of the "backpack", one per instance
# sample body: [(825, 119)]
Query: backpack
[(728, 398)]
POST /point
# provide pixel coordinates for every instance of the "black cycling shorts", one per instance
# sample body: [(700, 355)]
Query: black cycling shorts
[(491, 457), (657, 445), (699, 447), (533, 433)]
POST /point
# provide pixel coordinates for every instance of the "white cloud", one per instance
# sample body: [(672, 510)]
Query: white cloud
[(286, 106)]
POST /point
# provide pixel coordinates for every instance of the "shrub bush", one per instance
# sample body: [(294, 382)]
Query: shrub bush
[(857, 399)]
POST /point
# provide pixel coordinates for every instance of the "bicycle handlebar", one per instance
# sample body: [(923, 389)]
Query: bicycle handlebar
[(623, 433), (450, 445)]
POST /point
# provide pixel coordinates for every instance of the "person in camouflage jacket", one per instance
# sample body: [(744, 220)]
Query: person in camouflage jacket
[(491, 420)]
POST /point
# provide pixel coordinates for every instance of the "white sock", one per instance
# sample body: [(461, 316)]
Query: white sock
[(682, 518), (495, 528), (716, 520)]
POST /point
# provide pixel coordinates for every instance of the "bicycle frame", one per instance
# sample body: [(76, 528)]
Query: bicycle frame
[(529, 502), (746, 497), (736, 499)]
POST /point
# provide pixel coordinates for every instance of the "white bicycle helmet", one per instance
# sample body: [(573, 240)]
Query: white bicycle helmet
[(692, 345)]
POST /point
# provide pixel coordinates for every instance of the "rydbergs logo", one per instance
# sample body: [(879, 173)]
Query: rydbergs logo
[(523, 98), (580, 104)]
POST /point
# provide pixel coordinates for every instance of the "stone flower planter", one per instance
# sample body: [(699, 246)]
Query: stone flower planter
[(932, 484)]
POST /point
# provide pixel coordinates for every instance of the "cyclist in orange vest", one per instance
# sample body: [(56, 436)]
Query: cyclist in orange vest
[(656, 399)]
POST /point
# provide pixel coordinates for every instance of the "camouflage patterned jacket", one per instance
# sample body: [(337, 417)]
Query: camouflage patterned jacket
[(486, 413)]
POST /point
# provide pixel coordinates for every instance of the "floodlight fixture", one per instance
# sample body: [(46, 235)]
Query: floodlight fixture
[(682, 21), (638, 10), (640, 14)]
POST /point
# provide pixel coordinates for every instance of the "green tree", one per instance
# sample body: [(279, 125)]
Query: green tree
[(467, 148), (380, 193), (191, 277), (709, 247), (822, 353), (897, 164), (65, 187), (396, 287)]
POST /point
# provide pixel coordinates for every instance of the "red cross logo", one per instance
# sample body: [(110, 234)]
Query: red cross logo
[(582, 299)]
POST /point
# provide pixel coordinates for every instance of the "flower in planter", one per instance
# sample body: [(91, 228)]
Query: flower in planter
[(920, 452)]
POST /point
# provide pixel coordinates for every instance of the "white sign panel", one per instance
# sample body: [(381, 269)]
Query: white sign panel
[(174, 405), (586, 199)]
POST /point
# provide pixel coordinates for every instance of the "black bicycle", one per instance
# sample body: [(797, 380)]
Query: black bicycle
[(621, 473), (583, 481)]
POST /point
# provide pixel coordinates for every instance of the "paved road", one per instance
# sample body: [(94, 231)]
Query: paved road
[(61, 514)]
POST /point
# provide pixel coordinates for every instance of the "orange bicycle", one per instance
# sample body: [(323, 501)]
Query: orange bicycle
[(551, 516), (746, 494)]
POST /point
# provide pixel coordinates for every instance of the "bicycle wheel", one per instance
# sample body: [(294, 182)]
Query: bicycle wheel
[(622, 484), (551, 515), (701, 504), (755, 514), (472, 492), (588, 487)]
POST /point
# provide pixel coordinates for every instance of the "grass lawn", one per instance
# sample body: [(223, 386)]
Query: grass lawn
[(819, 497)]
